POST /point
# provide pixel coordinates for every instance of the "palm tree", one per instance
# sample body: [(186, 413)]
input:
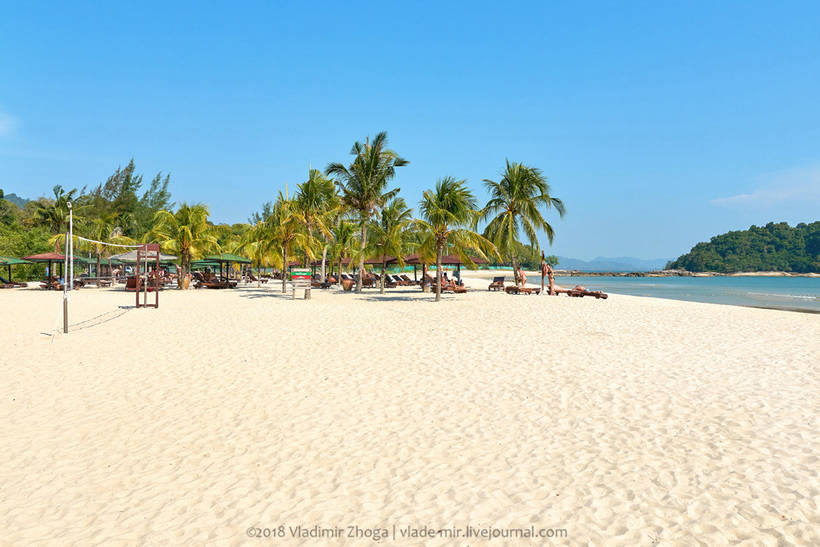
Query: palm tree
[(344, 237), (448, 211), (259, 243), (316, 201), (363, 184), (186, 233), (388, 233), (515, 202), (285, 231), (54, 214)]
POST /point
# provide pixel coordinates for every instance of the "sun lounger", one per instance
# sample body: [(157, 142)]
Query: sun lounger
[(497, 284), (580, 292), (6, 284), (515, 289)]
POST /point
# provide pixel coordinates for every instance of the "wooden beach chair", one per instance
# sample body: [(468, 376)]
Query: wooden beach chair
[(497, 284), (515, 289), (580, 292)]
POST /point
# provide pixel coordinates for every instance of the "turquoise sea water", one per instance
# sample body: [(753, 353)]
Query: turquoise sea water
[(797, 293)]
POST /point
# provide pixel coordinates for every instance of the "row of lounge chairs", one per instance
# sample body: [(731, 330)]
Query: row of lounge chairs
[(210, 281), (56, 285), (372, 280), (6, 284), (578, 291)]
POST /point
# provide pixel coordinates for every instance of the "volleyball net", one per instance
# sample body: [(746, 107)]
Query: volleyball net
[(144, 261)]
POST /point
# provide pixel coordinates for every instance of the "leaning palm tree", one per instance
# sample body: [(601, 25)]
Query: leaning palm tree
[(363, 184), (448, 212), (388, 233), (185, 232), (514, 206)]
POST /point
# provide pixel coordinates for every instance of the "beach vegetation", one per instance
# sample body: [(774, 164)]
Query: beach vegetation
[(388, 234), (363, 185), (773, 247), (449, 211), (185, 233), (516, 207)]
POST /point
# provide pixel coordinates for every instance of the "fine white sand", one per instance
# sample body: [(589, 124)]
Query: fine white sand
[(629, 421)]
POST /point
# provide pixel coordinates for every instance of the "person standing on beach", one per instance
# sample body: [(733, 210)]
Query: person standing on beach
[(551, 275), (546, 269), (522, 278)]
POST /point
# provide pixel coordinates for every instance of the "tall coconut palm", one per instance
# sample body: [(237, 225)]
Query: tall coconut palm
[(316, 202), (388, 233), (363, 184), (515, 206), (448, 212), (185, 233)]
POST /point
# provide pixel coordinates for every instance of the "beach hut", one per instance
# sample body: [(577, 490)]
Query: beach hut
[(8, 262), (131, 258), (49, 259), (446, 260), (227, 259)]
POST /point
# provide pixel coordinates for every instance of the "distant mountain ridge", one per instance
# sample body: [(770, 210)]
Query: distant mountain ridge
[(612, 264), (15, 199)]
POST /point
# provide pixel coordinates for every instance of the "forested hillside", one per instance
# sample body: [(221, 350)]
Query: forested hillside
[(773, 247)]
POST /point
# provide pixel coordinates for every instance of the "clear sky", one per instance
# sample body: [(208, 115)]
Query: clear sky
[(659, 124)]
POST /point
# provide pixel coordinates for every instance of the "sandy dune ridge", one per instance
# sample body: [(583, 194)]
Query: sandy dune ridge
[(625, 422)]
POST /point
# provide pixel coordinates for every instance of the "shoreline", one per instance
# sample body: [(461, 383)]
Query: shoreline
[(677, 273)]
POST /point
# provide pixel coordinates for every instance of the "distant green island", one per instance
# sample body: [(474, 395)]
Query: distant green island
[(773, 247)]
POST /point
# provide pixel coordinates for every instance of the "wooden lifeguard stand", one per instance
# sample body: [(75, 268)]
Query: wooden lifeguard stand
[(148, 253)]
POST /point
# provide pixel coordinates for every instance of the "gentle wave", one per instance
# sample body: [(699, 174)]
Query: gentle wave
[(795, 296)]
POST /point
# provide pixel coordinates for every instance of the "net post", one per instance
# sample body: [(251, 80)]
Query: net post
[(65, 291)]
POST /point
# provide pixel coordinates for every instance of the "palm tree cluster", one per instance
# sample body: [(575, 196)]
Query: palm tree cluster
[(348, 213)]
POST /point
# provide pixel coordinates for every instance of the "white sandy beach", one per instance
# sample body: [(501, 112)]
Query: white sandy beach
[(629, 421)]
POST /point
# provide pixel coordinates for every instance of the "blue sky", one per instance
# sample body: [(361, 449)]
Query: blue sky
[(658, 124)]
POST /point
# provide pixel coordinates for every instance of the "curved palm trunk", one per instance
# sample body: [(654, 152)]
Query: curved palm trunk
[(284, 269), (99, 259), (438, 271), (361, 257), (383, 266), (515, 269), (324, 259)]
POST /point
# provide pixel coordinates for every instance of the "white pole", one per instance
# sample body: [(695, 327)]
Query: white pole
[(65, 289), (71, 244)]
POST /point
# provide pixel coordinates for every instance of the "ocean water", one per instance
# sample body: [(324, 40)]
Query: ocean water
[(794, 293)]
